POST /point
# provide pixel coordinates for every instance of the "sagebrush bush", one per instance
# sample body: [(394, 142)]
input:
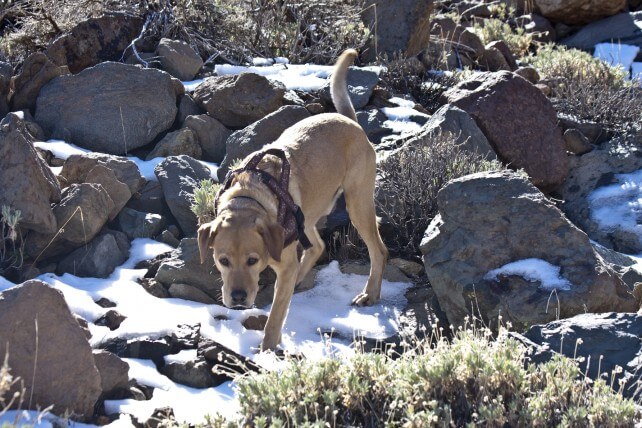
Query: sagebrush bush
[(232, 30), (472, 379), (590, 89), (497, 28), (203, 200), (409, 181)]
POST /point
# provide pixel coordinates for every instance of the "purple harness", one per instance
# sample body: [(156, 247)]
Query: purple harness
[(289, 214)]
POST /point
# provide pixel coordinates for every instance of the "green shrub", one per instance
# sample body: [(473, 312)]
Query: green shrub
[(409, 181), (471, 379), (203, 200), (497, 29), (590, 89)]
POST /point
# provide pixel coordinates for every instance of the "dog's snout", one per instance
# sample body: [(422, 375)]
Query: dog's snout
[(238, 297)]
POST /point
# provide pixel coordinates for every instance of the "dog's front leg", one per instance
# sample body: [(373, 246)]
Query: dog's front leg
[(286, 274)]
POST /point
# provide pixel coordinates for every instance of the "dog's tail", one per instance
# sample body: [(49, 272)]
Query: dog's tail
[(339, 84)]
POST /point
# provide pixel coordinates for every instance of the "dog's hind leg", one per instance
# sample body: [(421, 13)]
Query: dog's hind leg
[(312, 254), (360, 204)]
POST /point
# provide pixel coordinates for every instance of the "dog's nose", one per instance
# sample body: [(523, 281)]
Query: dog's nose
[(238, 297)]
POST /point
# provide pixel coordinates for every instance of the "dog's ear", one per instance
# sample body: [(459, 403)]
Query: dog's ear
[(274, 237), (206, 234)]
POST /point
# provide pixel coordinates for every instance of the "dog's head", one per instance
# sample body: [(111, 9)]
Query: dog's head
[(243, 247)]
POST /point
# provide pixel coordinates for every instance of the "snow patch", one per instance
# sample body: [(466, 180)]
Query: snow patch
[(400, 118), (533, 270), (619, 206)]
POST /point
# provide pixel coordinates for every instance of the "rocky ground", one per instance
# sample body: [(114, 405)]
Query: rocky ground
[(105, 309)]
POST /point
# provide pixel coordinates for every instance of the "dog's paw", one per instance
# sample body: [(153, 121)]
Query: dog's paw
[(364, 299)]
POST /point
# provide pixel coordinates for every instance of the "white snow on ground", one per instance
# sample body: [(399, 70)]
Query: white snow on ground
[(34, 419), (62, 150), (533, 270), (619, 206), (617, 55), (320, 323), (400, 118)]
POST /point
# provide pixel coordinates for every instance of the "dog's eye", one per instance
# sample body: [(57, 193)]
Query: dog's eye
[(224, 261), (252, 261)]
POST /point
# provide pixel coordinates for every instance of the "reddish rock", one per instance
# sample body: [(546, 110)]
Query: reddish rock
[(520, 123)]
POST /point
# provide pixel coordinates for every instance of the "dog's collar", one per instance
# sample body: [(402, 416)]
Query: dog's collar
[(289, 214)]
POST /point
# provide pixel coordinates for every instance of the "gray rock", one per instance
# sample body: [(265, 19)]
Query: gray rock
[(82, 212), (168, 238), (37, 71), (76, 168), (398, 26), (488, 220), (255, 136), (590, 172), (117, 190), (457, 123), (184, 267), (181, 142), (114, 373), (187, 107), (196, 373), (65, 374), (98, 259), (95, 40), (361, 84), (149, 199), (110, 108), (188, 292), (178, 177), (623, 28), (26, 181), (576, 142), (211, 135), (528, 73), (178, 59), (372, 123), (605, 340), (137, 224), (237, 101)]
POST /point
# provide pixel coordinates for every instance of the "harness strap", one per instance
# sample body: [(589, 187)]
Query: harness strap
[(279, 188)]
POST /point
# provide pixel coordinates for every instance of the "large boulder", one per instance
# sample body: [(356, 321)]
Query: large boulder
[(48, 350), (210, 134), (114, 373), (26, 181), (255, 136), (110, 108), (77, 167), (396, 26), (95, 40), (37, 70), (237, 101), (83, 210), (623, 27), (520, 123), (488, 220), (178, 177), (178, 59), (574, 12), (607, 217), (596, 341)]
